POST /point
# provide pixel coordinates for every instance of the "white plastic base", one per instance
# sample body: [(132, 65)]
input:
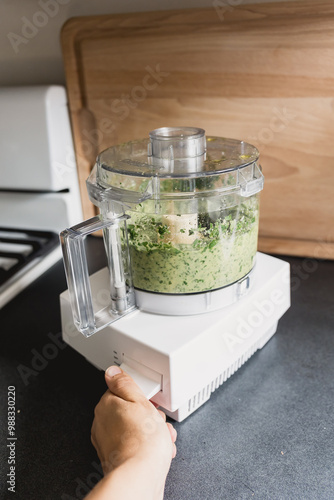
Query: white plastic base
[(199, 398), (188, 357)]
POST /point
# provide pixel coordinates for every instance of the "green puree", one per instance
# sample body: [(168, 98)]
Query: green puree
[(221, 250)]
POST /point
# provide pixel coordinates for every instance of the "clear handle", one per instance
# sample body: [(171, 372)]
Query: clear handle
[(73, 245)]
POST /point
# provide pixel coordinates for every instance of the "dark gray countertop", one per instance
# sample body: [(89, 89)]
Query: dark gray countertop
[(266, 433)]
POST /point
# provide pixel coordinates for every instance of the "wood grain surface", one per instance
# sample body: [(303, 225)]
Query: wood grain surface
[(263, 73)]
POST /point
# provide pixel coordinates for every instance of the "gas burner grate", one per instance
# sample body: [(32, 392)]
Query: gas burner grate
[(19, 248)]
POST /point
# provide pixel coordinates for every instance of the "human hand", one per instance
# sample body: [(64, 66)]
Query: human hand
[(129, 427)]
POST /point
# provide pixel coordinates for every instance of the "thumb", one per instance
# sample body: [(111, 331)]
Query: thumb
[(122, 385)]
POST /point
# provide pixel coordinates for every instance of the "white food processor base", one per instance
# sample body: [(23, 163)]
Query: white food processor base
[(179, 361)]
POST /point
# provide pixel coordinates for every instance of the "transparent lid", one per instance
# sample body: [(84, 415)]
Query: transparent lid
[(175, 162)]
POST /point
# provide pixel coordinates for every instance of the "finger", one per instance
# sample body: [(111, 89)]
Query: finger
[(174, 451), (172, 431), (122, 385), (162, 414)]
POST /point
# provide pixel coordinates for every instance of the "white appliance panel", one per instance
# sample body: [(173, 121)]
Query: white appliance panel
[(192, 354)]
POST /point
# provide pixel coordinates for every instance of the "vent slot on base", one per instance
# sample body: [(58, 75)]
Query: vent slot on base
[(205, 392)]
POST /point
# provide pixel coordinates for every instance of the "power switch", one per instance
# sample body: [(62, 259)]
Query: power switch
[(147, 379)]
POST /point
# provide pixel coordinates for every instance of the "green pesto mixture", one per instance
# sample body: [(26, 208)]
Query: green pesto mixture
[(217, 252)]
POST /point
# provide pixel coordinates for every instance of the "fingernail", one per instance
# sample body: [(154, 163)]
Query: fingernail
[(113, 370)]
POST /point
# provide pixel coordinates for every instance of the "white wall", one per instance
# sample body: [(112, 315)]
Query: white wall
[(33, 56)]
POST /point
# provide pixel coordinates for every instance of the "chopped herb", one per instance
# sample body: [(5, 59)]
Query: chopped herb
[(219, 252), (163, 229)]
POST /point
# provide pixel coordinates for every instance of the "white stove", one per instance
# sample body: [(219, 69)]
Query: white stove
[(39, 193)]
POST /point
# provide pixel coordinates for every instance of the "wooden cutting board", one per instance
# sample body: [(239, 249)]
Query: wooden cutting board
[(263, 73)]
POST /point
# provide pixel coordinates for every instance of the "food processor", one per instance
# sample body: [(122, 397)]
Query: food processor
[(185, 298)]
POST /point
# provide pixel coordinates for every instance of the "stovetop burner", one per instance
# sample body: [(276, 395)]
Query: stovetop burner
[(19, 247), (24, 255)]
